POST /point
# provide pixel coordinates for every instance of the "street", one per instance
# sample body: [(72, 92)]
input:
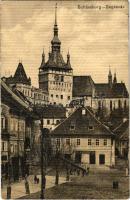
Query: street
[(18, 189), (97, 185)]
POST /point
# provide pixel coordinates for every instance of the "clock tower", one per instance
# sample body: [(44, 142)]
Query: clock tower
[(56, 75)]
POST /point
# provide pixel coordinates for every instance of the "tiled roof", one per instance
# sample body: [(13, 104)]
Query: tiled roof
[(122, 131), (117, 90), (82, 124), (82, 86), (52, 111), (8, 94), (56, 61), (19, 76)]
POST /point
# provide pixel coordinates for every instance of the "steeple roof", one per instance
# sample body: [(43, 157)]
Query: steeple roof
[(19, 76), (55, 59)]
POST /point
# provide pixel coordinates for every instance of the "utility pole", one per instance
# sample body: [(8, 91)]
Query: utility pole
[(57, 167), (9, 178), (43, 161)]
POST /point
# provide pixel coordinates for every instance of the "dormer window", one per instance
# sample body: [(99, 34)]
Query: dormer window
[(91, 127), (72, 126), (83, 111)]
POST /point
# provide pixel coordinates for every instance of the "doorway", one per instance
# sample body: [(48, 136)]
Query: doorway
[(92, 157), (101, 159), (78, 157)]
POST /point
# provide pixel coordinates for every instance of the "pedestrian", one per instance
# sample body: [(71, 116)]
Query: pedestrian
[(27, 185), (35, 179), (87, 170)]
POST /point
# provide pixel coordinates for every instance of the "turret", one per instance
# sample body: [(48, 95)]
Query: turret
[(43, 60), (114, 79), (68, 59), (110, 78)]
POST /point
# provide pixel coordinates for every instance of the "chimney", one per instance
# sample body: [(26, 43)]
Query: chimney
[(83, 111)]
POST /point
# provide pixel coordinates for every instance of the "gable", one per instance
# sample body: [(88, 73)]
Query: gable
[(84, 124)]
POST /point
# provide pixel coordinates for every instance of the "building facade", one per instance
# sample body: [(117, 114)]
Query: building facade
[(99, 96), (122, 139), (17, 132), (55, 75), (23, 84), (85, 140)]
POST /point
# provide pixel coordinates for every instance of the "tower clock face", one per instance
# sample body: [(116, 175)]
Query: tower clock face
[(59, 77)]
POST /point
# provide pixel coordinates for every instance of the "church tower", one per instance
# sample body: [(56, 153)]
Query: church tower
[(56, 75)]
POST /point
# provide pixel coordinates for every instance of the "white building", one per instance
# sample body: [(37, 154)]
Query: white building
[(85, 139)]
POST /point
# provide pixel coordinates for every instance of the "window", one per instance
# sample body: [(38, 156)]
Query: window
[(15, 148), (58, 141), (90, 127), (57, 96), (68, 97), (48, 121), (68, 141), (101, 159), (105, 142), (89, 141), (3, 146), (99, 104), (125, 104), (119, 103), (110, 105), (62, 78), (52, 95), (78, 141), (61, 96), (97, 142), (3, 123), (12, 148), (57, 121)]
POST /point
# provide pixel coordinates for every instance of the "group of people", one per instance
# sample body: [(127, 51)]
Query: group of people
[(36, 180), (74, 171)]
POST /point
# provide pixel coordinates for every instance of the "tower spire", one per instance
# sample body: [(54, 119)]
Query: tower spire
[(55, 41), (110, 77), (56, 14), (55, 24)]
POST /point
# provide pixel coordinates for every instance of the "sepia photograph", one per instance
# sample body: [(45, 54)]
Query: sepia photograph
[(64, 99)]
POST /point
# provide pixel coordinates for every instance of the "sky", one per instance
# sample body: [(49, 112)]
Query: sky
[(96, 38)]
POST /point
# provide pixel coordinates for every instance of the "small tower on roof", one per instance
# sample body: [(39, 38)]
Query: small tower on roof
[(68, 59), (110, 77), (43, 60), (114, 79)]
